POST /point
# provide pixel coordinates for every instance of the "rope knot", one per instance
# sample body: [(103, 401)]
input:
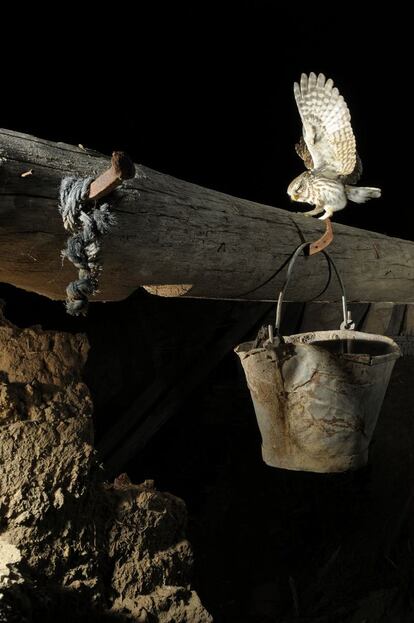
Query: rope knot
[(87, 226)]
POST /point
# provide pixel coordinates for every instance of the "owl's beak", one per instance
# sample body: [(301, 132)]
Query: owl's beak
[(295, 197)]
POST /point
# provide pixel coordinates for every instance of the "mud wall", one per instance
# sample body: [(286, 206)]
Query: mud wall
[(72, 546)]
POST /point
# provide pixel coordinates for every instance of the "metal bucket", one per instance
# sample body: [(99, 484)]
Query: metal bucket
[(317, 396)]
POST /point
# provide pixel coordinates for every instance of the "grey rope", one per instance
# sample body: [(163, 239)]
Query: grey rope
[(84, 245)]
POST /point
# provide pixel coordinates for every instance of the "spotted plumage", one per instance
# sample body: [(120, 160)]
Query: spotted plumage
[(327, 149)]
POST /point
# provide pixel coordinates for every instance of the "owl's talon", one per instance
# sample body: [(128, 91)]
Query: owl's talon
[(328, 214), (312, 212)]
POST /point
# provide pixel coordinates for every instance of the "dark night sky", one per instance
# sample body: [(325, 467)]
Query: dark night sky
[(206, 94)]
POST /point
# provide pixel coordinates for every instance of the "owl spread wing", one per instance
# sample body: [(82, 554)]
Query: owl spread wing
[(303, 152), (327, 130)]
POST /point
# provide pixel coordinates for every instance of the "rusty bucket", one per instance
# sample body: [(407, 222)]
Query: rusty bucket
[(317, 396)]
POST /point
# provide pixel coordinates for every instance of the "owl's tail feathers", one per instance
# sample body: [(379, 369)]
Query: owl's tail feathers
[(361, 194)]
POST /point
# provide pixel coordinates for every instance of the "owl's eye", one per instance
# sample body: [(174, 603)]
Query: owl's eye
[(299, 188)]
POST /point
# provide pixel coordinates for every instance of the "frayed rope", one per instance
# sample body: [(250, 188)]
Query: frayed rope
[(83, 247)]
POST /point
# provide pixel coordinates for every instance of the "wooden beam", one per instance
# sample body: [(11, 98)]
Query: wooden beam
[(171, 232)]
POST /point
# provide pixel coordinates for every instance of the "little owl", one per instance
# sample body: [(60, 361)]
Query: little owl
[(328, 150)]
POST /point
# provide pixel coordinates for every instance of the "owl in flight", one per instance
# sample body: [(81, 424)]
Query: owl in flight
[(327, 148)]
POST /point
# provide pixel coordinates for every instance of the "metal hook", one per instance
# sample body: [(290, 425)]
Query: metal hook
[(324, 241)]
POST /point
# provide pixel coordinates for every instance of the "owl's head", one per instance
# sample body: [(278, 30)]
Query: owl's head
[(299, 188)]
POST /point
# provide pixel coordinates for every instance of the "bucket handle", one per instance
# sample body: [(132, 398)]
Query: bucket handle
[(347, 320)]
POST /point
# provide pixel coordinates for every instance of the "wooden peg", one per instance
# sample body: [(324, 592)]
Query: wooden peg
[(122, 168), (324, 241)]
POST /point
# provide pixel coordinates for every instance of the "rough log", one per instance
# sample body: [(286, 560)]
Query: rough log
[(173, 232)]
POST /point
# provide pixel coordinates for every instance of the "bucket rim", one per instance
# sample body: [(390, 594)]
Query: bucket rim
[(307, 339)]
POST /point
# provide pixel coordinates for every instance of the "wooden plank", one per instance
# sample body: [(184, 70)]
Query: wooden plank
[(396, 321), (324, 316), (408, 324), (142, 422), (378, 318), (321, 316), (172, 232), (385, 319)]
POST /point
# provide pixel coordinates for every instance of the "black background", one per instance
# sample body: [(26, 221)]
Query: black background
[(203, 91)]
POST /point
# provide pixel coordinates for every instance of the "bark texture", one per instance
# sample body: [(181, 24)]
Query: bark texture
[(173, 233)]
